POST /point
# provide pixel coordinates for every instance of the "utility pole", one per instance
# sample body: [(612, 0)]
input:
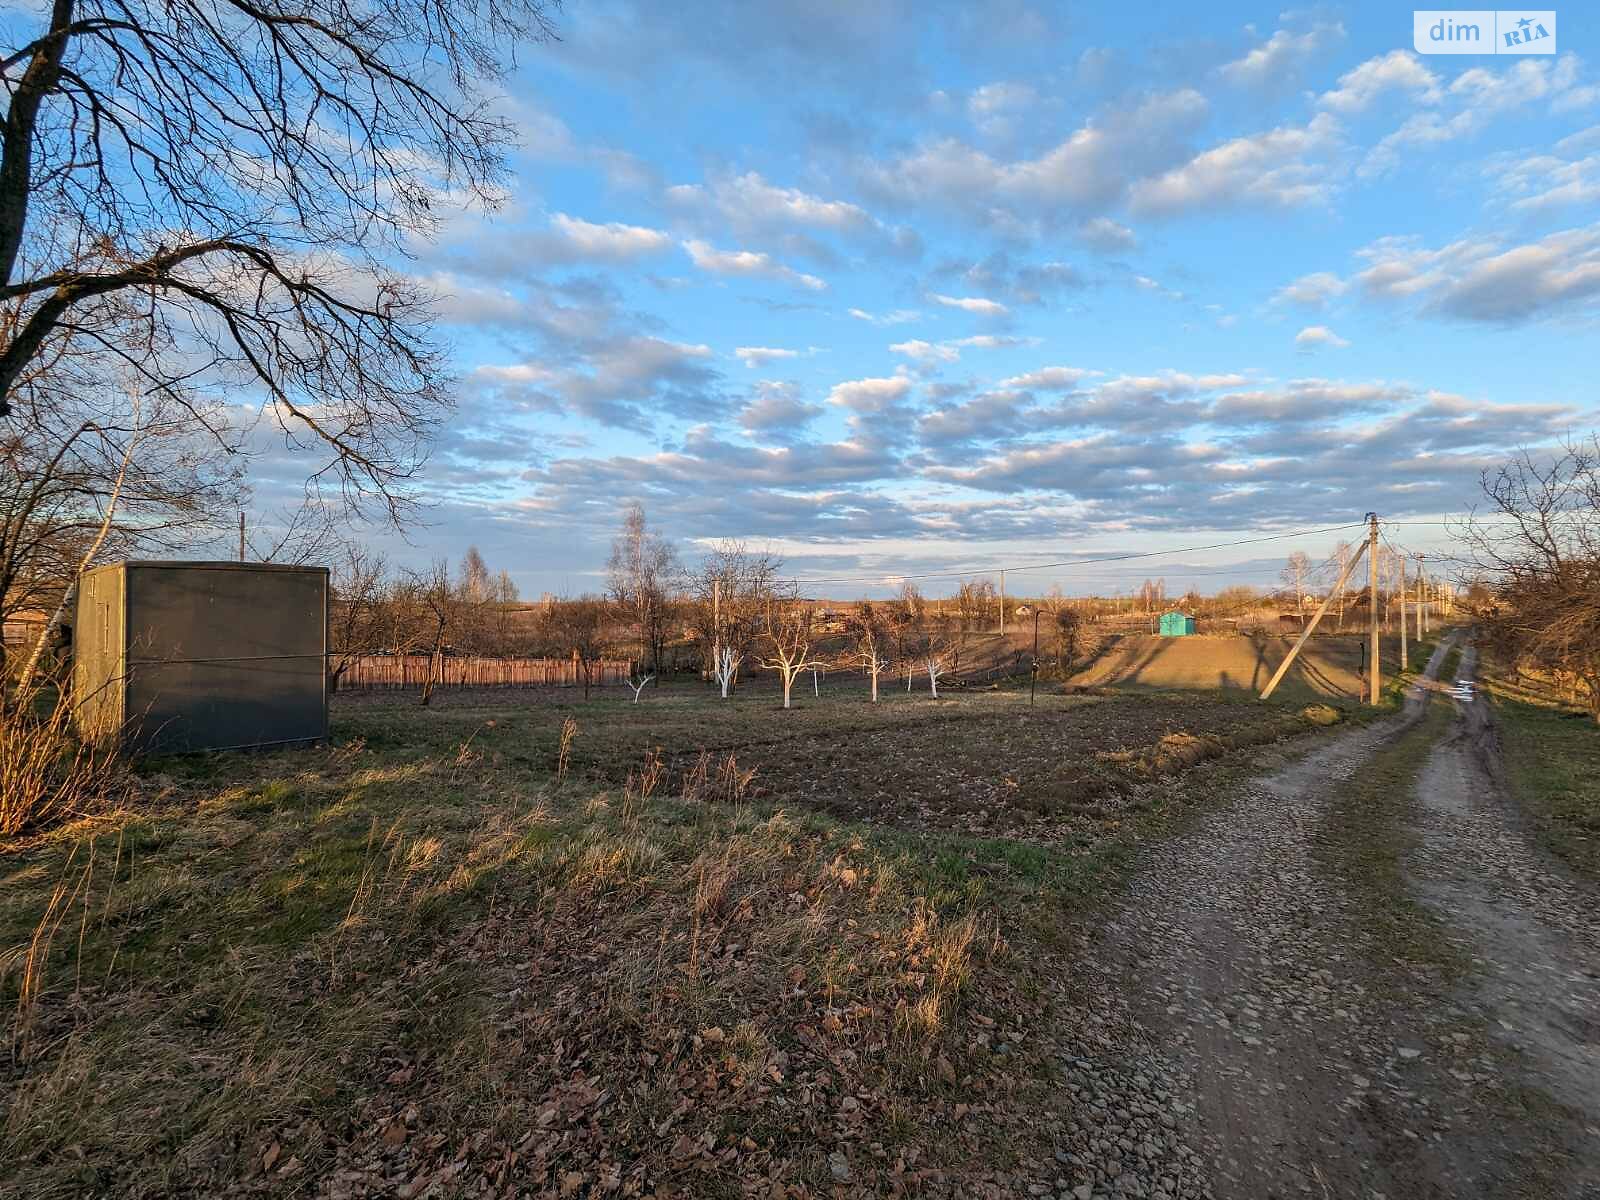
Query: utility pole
[(241, 535), (1002, 628), (716, 624), (1372, 576), (1422, 595), (1402, 559)]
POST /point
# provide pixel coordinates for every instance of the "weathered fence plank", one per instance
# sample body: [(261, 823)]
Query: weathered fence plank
[(473, 670)]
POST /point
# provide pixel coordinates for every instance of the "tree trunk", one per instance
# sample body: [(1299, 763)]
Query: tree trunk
[(788, 682), (874, 687)]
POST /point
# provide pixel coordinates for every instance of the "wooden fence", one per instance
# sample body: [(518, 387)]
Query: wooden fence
[(472, 670)]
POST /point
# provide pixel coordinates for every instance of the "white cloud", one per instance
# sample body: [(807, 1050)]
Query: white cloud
[(760, 356), (932, 352), (611, 242), (1107, 236), (1279, 57), (870, 395), (749, 263), (1479, 95), (1312, 291), (1398, 70), (926, 352), (1047, 379), (1481, 280), (1271, 168), (1090, 169), (899, 316), (1314, 337), (981, 305)]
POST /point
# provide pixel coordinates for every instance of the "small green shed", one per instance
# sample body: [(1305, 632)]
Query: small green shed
[(1176, 624)]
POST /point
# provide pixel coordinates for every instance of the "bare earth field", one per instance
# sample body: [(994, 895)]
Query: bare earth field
[(1328, 668), (1154, 943), (807, 951)]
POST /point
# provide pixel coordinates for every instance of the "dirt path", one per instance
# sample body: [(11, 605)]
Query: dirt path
[(1302, 1055)]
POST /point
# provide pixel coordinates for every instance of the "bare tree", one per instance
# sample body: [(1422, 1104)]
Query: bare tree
[(65, 451), (787, 634), (642, 567), (728, 593), (435, 600), (209, 193), (1538, 546), (356, 625), (1294, 574), (869, 628), (581, 627)]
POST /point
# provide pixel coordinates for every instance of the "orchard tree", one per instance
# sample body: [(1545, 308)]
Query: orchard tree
[(787, 631), (869, 629)]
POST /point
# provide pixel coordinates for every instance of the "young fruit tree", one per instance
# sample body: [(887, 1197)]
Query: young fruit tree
[(726, 599), (787, 631), (868, 628), (726, 668)]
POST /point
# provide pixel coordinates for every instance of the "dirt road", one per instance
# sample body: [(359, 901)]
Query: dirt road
[(1308, 1047)]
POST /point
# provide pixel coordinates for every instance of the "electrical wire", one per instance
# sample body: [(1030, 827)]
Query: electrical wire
[(886, 576)]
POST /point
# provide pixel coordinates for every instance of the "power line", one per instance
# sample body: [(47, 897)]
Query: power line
[(884, 576)]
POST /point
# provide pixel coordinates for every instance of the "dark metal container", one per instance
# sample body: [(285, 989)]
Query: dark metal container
[(183, 656)]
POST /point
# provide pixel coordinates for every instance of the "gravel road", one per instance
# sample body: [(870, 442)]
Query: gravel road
[(1262, 1043)]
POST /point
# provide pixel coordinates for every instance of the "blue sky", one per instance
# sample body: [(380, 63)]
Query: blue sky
[(905, 287)]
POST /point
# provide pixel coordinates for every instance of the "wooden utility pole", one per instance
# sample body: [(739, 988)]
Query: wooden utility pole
[(241, 535), (1374, 671), (1305, 634), (1422, 594), (716, 624), (1002, 628), (1402, 559)]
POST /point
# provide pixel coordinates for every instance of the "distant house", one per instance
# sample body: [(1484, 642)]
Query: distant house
[(1176, 624)]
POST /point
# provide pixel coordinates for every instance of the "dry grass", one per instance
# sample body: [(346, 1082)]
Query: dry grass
[(418, 963), (46, 772)]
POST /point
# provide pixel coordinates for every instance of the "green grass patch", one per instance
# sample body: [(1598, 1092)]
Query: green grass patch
[(1366, 835), (1551, 753)]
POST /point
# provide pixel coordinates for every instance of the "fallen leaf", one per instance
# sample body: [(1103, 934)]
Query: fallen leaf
[(270, 1158)]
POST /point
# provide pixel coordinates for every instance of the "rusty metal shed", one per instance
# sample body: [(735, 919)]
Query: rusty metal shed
[(185, 656)]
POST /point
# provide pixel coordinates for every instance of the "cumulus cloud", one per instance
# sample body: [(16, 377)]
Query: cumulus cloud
[(610, 242), (630, 382), (1398, 70), (776, 409), (747, 263), (1483, 280), (760, 356), (1276, 168), (1091, 169), (753, 208), (1047, 379), (1316, 337), (1280, 58), (870, 395), (1473, 100), (981, 305), (929, 353), (1107, 236), (1312, 291), (900, 316)]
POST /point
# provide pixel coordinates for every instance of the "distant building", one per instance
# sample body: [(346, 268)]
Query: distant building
[(1176, 624)]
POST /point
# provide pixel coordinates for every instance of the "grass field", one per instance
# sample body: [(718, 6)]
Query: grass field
[(733, 951), (1551, 752)]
